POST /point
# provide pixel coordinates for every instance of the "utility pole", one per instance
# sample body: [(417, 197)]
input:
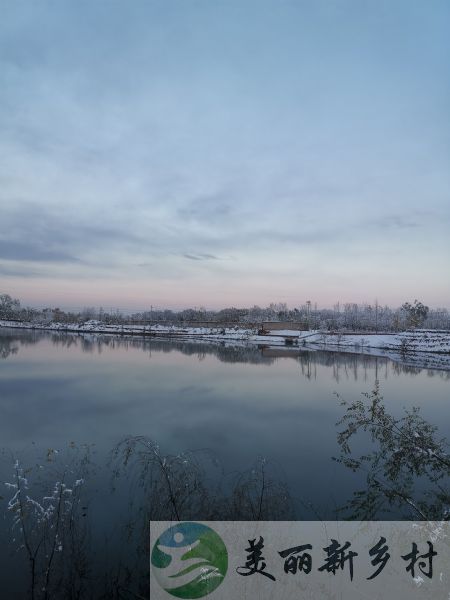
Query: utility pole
[(376, 315)]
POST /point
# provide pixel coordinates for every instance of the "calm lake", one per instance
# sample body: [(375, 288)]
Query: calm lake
[(204, 431)]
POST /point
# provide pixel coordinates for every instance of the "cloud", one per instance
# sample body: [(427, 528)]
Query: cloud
[(38, 233), (19, 271), (212, 210), (200, 256), (30, 251), (395, 222), (158, 158)]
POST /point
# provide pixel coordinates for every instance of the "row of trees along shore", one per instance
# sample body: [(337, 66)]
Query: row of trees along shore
[(342, 317)]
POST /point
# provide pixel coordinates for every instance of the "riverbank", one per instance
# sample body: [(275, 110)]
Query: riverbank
[(421, 348)]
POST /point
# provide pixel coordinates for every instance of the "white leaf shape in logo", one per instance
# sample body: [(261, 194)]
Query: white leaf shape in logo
[(169, 577)]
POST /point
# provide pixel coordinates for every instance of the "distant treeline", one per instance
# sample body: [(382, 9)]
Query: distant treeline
[(342, 317)]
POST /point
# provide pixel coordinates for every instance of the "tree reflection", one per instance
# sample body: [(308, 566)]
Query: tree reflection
[(343, 365), (11, 342), (8, 347)]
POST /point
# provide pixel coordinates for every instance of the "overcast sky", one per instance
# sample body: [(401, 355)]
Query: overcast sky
[(224, 153)]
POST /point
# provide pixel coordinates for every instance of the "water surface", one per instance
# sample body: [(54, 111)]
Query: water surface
[(249, 414)]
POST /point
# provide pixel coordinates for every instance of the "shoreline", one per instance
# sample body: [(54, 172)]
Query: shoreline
[(419, 348)]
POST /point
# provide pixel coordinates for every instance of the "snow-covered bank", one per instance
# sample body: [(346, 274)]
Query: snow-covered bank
[(426, 348), (229, 333), (420, 348)]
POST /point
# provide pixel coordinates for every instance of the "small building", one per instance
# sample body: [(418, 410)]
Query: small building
[(285, 325)]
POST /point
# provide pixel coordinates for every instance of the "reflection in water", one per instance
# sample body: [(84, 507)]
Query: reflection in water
[(344, 365), (8, 348), (77, 522), (8, 345), (50, 521)]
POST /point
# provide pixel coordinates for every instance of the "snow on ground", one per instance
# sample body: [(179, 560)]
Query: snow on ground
[(427, 348), (406, 341)]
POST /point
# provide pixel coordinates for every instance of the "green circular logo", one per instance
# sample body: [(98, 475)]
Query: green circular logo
[(189, 560)]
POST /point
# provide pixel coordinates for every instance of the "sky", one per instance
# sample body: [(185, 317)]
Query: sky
[(224, 153)]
